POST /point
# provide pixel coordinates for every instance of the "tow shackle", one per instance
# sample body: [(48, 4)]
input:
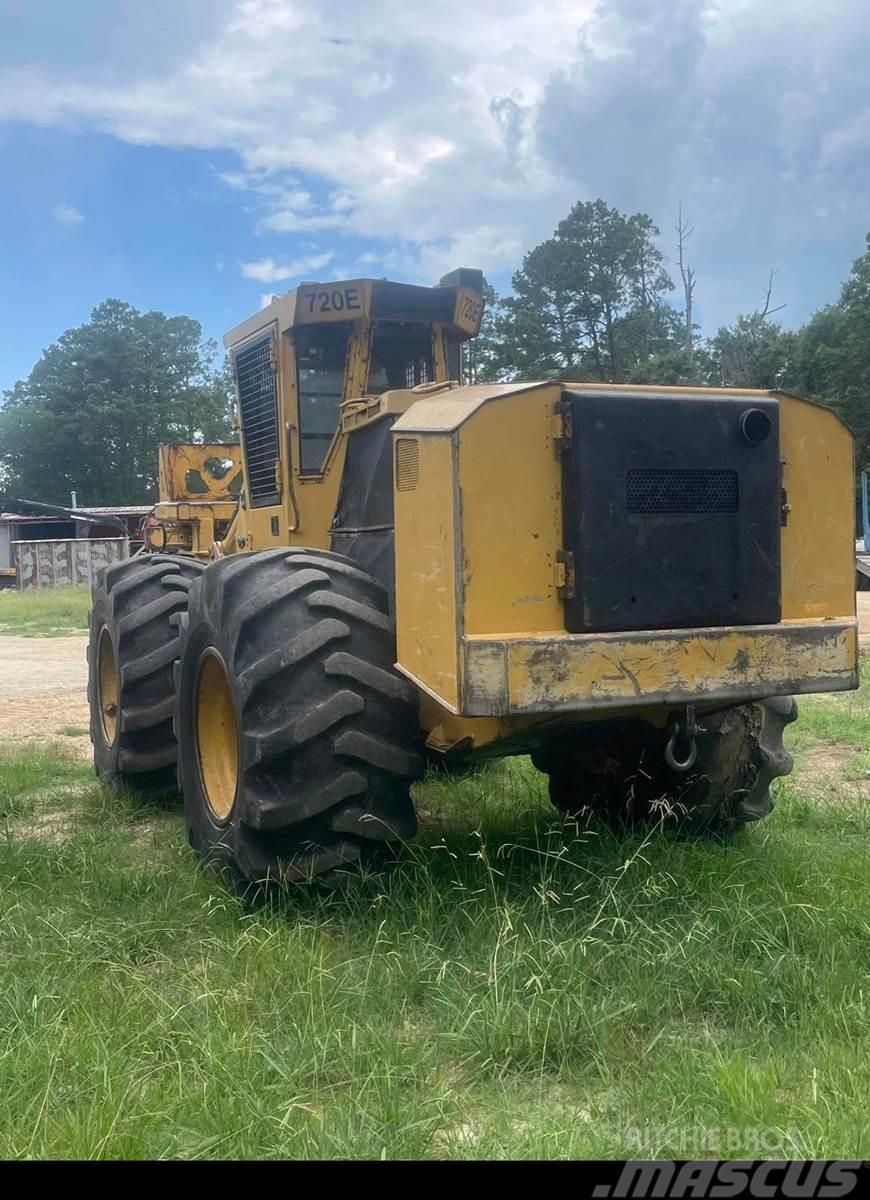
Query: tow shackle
[(683, 731)]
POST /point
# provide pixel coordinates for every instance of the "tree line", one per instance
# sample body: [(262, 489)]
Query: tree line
[(90, 415), (593, 303)]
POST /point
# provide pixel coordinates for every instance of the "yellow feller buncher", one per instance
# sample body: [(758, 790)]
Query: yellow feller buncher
[(627, 583)]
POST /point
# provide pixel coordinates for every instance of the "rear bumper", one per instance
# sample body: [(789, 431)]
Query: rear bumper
[(577, 672)]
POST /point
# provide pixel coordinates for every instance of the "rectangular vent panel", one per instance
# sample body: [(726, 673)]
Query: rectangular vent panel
[(657, 492), (407, 464), (258, 415)]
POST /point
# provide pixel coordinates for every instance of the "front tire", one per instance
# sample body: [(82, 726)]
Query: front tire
[(298, 739), (133, 645)]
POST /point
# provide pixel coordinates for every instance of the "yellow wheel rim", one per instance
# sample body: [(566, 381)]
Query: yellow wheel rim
[(217, 739), (107, 684)]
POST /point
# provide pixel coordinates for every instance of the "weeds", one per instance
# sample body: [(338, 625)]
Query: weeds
[(518, 986)]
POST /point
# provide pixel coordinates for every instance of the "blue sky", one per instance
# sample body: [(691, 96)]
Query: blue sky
[(196, 155)]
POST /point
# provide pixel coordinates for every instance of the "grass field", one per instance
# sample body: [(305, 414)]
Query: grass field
[(517, 987), (45, 611)]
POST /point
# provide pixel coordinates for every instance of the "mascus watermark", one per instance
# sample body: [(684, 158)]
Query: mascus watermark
[(709, 1178)]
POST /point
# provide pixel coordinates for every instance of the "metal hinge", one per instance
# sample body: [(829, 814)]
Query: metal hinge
[(566, 579), (784, 506), (563, 437)]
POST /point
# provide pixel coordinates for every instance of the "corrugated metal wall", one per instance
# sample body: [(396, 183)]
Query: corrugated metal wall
[(63, 563)]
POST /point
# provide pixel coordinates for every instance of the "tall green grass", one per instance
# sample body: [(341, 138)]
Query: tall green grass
[(45, 611), (517, 986)]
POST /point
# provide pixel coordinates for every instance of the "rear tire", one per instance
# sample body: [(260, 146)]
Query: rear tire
[(133, 645), (323, 742), (627, 782)]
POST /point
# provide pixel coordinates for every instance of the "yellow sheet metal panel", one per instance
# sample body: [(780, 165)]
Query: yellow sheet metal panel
[(818, 542), (602, 671), (426, 549), (199, 471), (511, 506), (277, 316), (448, 732), (449, 409), (445, 409)]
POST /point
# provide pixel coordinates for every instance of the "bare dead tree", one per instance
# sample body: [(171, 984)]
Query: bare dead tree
[(767, 310), (684, 231)]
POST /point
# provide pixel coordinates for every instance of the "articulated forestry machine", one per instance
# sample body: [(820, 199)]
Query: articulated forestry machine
[(627, 583)]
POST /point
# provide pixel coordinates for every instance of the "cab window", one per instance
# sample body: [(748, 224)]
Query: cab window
[(401, 356), (321, 355)]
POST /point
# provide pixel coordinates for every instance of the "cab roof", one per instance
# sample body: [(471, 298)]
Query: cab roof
[(456, 302)]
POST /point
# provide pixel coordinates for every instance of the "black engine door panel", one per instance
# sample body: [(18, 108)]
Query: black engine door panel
[(671, 510)]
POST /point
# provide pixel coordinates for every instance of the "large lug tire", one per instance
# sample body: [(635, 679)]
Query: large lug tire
[(298, 739), (626, 780), (132, 648)]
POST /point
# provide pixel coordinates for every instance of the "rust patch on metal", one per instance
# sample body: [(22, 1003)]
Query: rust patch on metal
[(579, 673), (210, 471)]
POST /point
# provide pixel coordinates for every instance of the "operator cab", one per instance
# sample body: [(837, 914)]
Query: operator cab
[(315, 348)]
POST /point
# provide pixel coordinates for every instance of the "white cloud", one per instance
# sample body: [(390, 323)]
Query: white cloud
[(267, 270), (385, 107), (454, 134), (66, 214)]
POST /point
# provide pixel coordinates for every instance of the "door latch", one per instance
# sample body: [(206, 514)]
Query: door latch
[(566, 579), (563, 420)]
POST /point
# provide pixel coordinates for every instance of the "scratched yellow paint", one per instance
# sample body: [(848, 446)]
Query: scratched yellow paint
[(586, 671), (175, 461)]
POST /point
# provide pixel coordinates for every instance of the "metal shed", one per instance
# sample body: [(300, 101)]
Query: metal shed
[(65, 562), (48, 551)]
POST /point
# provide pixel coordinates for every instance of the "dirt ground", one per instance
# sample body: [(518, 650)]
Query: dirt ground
[(44, 690), (45, 679)]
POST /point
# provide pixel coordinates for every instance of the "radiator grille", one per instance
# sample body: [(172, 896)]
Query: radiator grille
[(650, 492), (407, 464), (258, 414)]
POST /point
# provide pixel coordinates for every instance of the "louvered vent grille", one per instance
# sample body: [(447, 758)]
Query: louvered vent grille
[(258, 414), (407, 464), (656, 492)]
